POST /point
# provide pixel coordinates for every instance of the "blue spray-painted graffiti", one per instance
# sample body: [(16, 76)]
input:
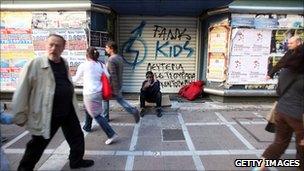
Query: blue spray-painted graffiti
[(174, 50), (168, 50), (127, 48), (133, 56)]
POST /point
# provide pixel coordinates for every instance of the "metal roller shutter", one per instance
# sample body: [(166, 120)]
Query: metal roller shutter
[(165, 45)]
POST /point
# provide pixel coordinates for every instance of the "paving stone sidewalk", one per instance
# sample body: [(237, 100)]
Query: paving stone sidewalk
[(189, 136)]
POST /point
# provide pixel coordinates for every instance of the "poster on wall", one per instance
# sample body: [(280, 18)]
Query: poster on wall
[(16, 50), (76, 41), (242, 20), (17, 20), (217, 53), (218, 38), (216, 67), (76, 46), (23, 37), (290, 21), (248, 62), (18, 46), (48, 20), (260, 23)]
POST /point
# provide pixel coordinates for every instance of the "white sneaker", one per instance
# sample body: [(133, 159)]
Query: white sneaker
[(110, 140)]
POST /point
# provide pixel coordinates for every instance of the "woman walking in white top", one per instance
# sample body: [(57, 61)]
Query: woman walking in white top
[(91, 70)]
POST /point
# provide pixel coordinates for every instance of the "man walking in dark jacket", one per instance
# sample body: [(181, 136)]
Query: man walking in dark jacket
[(295, 45), (150, 92), (115, 68)]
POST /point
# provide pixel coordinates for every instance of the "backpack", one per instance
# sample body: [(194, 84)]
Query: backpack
[(192, 90)]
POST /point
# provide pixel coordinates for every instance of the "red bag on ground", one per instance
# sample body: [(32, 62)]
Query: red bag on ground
[(192, 90), (106, 87)]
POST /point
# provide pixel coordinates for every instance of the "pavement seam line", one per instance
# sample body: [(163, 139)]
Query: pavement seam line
[(15, 139), (61, 154), (222, 123), (235, 132), (239, 136), (196, 159), (130, 158), (160, 153)]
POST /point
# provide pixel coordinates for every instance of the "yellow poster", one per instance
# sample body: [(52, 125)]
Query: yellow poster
[(217, 67), (217, 52), (218, 39), (20, 20)]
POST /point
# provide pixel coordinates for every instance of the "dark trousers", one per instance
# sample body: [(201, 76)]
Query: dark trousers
[(285, 126), (156, 98), (88, 120), (72, 132)]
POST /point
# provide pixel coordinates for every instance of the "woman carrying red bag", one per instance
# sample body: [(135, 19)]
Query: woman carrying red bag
[(92, 70)]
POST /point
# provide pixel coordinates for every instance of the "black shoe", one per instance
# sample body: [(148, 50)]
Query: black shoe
[(82, 163), (142, 112), (136, 116), (86, 128), (159, 113)]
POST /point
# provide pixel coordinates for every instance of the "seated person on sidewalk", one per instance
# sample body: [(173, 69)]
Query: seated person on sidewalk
[(150, 92)]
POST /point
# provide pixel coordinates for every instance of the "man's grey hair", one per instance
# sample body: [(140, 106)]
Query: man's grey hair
[(57, 35)]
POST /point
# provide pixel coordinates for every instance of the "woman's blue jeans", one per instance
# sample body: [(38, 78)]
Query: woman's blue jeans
[(105, 126)]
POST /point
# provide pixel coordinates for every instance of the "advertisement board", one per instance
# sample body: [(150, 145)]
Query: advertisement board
[(248, 62), (217, 53)]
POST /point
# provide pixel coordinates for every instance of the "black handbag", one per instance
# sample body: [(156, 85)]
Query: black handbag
[(270, 127)]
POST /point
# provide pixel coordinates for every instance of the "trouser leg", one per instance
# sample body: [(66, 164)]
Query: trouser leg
[(130, 109), (36, 146), (88, 120), (158, 100), (33, 152), (282, 139), (106, 109), (298, 128), (74, 136), (142, 99), (105, 126)]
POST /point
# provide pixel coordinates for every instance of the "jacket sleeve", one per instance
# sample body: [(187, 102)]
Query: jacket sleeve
[(279, 65), (157, 84), (113, 72), (142, 86), (112, 69), (22, 95)]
